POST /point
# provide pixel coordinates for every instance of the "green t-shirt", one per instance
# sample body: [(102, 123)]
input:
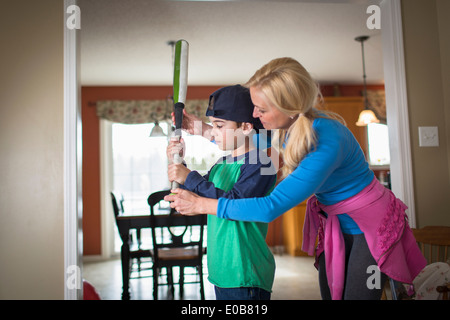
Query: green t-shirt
[(238, 255)]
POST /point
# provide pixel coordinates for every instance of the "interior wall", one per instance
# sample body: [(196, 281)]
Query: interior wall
[(443, 11), (427, 53), (31, 139)]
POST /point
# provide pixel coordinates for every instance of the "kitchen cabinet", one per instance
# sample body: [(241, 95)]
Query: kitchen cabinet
[(349, 109), (293, 230)]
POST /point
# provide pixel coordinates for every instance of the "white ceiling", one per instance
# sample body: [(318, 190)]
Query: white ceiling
[(124, 42)]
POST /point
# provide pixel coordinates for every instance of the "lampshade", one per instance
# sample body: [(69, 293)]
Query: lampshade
[(157, 131), (366, 117)]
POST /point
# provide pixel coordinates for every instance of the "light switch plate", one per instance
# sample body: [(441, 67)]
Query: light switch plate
[(428, 137)]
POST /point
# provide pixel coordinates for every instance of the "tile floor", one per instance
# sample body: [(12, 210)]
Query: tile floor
[(295, 279)]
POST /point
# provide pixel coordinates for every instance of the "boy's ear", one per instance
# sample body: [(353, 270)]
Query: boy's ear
[(247, 127)]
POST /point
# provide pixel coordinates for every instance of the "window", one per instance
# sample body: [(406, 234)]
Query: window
[(378, 144), (139, 164)]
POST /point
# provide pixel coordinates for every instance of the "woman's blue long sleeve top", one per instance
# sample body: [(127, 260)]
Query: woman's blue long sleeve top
[(334, 171)]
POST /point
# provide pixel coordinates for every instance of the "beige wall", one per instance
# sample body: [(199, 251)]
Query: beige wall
[(31, 144), (443, 9), (427, 54)]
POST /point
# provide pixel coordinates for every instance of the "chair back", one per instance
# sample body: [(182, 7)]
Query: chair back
[(117, 203), (117, 207), (173, 230), (434, 242)]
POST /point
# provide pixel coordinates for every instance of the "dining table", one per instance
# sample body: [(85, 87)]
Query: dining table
[(125, 223)]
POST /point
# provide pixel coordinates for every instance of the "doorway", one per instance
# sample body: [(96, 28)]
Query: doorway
[(397, 114)]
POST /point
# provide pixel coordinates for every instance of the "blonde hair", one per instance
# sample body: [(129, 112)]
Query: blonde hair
[(289, 87)]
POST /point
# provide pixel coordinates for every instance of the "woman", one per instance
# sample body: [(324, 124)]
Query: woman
[(359, 222)]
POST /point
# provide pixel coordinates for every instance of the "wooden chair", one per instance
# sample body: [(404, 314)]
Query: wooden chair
[(434, 242), (177, 242), (137, 252)]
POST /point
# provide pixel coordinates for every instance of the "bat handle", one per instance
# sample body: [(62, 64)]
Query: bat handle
[(174, 185), (176, 159)]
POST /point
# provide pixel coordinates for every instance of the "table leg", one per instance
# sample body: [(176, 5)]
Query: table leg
[(125, 257)]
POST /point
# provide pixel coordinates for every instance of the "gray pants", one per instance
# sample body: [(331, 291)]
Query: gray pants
[(358, 259)]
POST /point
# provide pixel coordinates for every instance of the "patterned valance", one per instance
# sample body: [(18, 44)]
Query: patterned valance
[(149, 111), (146, 111)]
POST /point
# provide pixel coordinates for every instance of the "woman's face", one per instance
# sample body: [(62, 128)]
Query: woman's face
[(270, 116)]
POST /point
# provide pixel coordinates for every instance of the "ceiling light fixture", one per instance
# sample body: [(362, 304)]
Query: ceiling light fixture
[(366, 116), (157, 131)]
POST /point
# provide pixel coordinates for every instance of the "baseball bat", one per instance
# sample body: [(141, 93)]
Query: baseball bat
[(180, 77)]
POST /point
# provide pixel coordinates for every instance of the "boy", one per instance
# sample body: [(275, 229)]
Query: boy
[(240, 264)]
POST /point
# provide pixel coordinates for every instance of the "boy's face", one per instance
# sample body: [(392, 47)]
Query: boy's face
[(226, 133)]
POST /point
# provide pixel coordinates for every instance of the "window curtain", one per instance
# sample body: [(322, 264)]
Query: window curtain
[(146, 111)]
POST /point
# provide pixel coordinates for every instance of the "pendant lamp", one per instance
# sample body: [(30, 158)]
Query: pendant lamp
[(157, 131), (366, 116)]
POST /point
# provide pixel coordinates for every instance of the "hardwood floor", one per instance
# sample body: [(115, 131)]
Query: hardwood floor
[(295, 279)]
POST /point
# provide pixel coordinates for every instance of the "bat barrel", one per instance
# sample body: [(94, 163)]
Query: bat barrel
[(180, 75)]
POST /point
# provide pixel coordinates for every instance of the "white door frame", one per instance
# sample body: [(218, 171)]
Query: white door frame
[(396, 109), (73, 202), (397, 105)]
